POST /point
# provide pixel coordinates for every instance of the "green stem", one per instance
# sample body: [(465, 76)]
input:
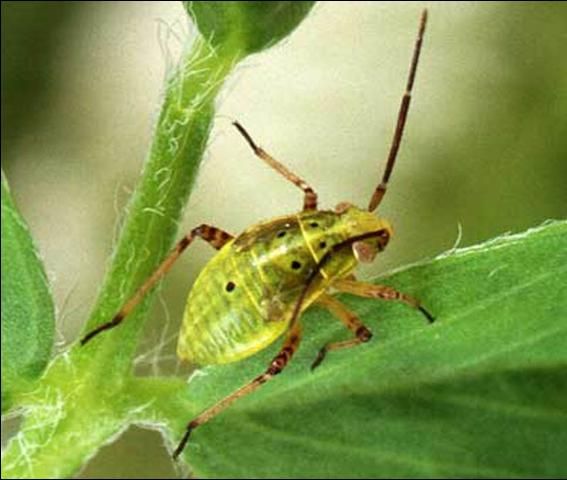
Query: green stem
[(157, 205), (85, 397)]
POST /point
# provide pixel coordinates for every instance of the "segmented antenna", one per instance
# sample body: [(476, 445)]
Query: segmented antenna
[(402, 115)]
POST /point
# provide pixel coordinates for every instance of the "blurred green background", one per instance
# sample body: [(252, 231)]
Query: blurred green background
[(485, 147)]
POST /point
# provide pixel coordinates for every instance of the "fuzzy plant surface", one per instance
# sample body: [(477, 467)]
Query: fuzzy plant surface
[(480, 393)]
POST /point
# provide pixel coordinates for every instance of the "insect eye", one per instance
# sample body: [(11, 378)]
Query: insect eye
[(314, 224), (281, 234), (295, 265), (230, 286)]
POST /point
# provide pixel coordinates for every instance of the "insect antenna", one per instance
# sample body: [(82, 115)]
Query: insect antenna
[(402, 115)]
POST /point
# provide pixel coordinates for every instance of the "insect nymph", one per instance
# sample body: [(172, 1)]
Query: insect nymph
[(256, 287)]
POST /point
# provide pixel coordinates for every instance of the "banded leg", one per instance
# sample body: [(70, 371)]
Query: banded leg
[(310, 198), (370, 290), (276, 366), (351, 321), (214, 236)]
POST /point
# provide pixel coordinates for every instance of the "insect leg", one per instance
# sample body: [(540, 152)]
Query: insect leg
[(310, 199), (370, 290), (351, 321), (276, 366), (402, 116), (215, 236)]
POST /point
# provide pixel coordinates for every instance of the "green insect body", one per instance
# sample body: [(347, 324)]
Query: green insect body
[(244, 298)]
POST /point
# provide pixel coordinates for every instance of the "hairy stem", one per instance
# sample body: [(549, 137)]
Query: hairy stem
[(82, 401)]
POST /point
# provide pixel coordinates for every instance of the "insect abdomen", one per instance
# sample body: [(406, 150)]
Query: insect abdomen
[(245, 296), (222, 321)]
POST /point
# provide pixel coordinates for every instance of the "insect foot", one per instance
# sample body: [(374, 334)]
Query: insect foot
[(320, 357), (105, 326), (362, 335), (428, 315), (192, 425)]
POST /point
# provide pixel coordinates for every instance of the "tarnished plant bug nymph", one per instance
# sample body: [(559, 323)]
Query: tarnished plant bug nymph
[(268, 275)]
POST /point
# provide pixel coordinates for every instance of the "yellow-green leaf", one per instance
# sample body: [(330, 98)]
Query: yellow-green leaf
[(480, 393)]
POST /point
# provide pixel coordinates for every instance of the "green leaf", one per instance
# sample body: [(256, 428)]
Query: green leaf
[(246, 27), (480, 393), (28, 315)]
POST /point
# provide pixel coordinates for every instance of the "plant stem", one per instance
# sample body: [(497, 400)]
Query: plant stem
[(157, 204), (84, 397)]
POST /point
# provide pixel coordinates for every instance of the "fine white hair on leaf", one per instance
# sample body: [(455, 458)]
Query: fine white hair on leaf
[(499, 242), (198, 372), (119, 213), (47, 416), (496, 243), (458, 239), (163, 177), (170, 37), (62, 316), (154, 356), (139, 410), (496, 270), (123, 289), (233, 79), (163, 339), (154, 211)]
